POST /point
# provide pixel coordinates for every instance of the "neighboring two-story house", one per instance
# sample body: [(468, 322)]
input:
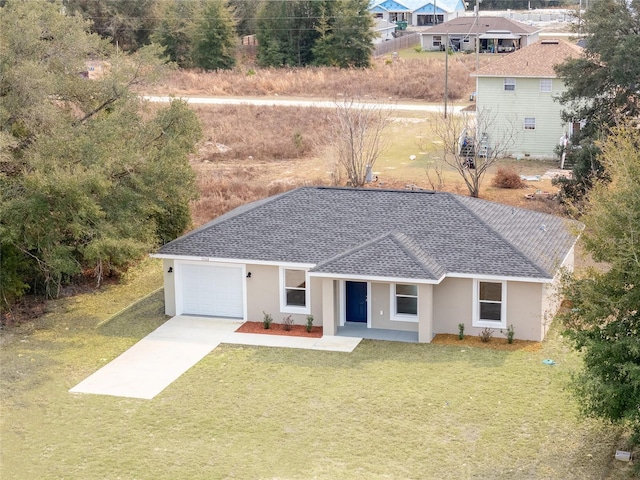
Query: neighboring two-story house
[(417, 13), (518, 92)]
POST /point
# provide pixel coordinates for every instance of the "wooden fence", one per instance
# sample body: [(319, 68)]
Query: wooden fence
[(405, 41)]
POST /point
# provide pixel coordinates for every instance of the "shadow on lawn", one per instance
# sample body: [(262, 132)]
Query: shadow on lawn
[(138, 319)]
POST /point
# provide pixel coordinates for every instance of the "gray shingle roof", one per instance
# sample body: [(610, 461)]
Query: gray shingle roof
[(468, 26), (388, 233)]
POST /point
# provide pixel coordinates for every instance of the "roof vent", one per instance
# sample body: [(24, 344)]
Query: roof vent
[(550, 42)]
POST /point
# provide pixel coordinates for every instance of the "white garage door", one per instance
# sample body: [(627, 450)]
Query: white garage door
[(212, 290)]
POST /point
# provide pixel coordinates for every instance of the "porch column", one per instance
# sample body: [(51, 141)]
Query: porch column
[(425, 312), (329, 326)]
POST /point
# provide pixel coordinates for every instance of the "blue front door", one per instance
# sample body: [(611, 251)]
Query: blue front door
[(356, 302)]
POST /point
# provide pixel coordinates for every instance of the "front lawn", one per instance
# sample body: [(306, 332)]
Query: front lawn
[(387, 410)]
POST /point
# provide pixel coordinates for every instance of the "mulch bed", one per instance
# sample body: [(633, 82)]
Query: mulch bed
[(278, 329), (495, 343)]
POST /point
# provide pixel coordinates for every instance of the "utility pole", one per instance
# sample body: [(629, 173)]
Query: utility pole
[(477, 9), (435, 12), (446, 76)]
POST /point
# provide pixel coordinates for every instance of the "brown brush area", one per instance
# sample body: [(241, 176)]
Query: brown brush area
[(417, 79)]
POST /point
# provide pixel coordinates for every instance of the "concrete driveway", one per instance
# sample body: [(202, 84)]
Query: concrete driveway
[(161, 357)]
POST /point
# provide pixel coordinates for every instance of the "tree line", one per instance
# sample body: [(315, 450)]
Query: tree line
[(204, 33)]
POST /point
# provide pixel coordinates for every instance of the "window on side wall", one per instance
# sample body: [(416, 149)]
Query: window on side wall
[(546, 85), (490, 304), (294, 293), (529, 123), (509, 84), (437, 40), (404, 301)]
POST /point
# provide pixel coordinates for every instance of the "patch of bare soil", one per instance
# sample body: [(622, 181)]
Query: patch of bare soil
[(278, 329), (494, 343)]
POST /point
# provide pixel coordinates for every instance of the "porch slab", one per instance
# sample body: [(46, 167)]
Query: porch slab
[(351, 329)]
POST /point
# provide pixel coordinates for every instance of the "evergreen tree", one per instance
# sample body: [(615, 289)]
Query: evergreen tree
[(287, 32), (174, 29), (245, 13), (214, 38), (602, 85), (89, 179), (126, 23), (604, 321), (351, 38)]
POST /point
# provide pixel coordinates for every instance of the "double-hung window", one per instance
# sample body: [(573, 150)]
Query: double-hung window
[(490, 304), (404, 302), (546, 85), (509, 84), (294, 297), (529, 123), (437, 40)]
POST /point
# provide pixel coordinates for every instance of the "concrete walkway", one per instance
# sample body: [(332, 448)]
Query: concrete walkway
[(161, 357)]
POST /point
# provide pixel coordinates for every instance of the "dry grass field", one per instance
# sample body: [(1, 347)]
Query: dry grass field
[(419, 78), (250, 152)]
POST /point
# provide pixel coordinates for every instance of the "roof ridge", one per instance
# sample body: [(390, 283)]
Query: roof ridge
[(352, 250), (407, 244), (361, 189), (509, 244)]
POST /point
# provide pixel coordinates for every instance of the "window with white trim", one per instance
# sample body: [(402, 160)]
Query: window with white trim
[(437, 40), (529, 123), (404, 302), (546, 85), (509, 84), (294, 296), (490, 304)]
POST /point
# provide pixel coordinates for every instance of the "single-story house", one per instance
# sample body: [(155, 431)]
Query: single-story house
[(519, 91), (413, 261), (417, 13), (495, 34)]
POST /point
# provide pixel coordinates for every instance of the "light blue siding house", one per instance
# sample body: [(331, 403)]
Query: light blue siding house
[(519, 93), (417, 13)]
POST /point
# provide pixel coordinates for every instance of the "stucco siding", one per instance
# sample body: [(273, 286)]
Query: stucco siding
[(551, 298), (381, 310), (524, 305), (508, 109), (169, 287), (452, 304), (263, 295)]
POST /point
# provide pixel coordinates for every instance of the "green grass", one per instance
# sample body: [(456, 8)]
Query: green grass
[(387, 410)]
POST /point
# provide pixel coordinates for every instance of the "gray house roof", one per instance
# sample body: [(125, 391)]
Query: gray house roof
[(385, 233)]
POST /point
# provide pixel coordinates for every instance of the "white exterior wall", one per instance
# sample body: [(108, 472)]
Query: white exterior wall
[(511, 107)]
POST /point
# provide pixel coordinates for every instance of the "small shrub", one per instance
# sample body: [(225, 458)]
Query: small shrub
[(418, 48), (266, 320), (287, 323), (486, 334), (309, 324), (251, 72), (507, 177), (460, 331), (388, 61), (510, 333)]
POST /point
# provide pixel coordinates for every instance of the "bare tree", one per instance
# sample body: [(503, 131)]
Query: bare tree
[(357, 137), (469, 148)]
